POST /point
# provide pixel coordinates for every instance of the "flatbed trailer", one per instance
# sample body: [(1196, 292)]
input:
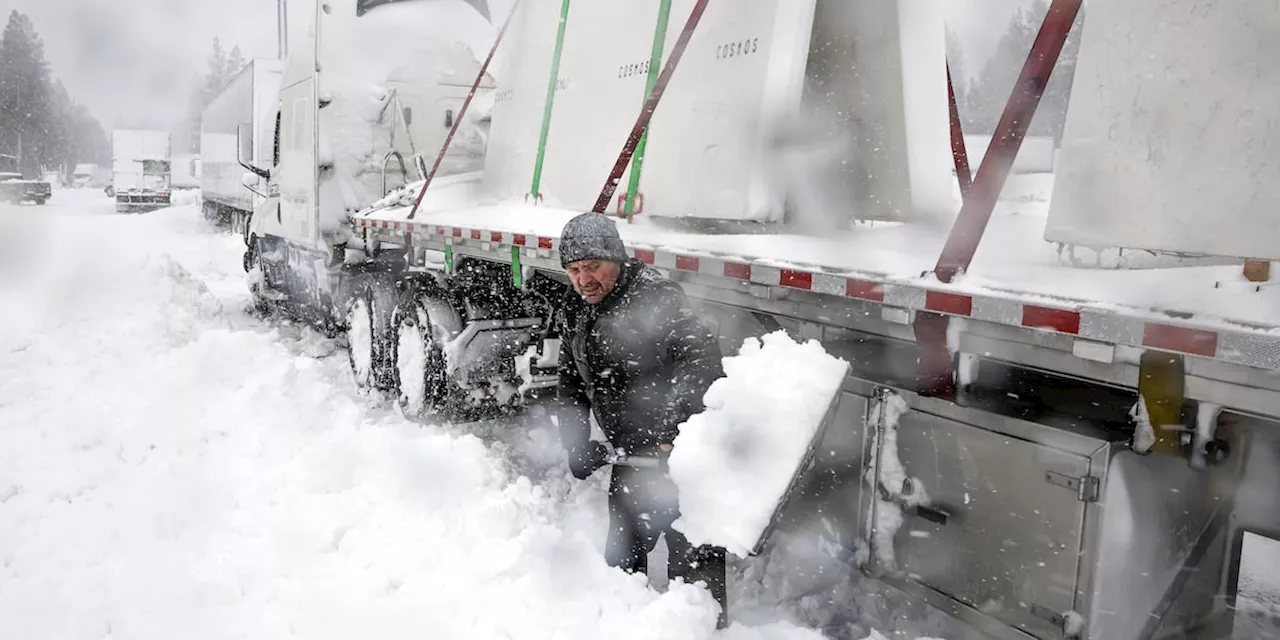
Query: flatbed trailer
[(1042, 439)]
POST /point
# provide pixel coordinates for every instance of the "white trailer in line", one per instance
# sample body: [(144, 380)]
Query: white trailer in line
[(1085, 452), (140, 170), (238, 124)]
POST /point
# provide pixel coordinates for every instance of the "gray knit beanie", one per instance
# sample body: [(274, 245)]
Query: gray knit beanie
[(591, 236)]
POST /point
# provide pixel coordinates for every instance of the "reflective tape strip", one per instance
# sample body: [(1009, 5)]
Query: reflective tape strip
[(1060, 320), (766, 275), (829, 284), (711, 267), (1105, 327), (1112, 327), (664, 259), (1185, 339), (1000, 310), (737, 270), (949, 303), (794, 279), (863, 290), (1257, 351)]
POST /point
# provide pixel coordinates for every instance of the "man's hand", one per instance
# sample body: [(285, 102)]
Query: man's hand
[(584, 461)]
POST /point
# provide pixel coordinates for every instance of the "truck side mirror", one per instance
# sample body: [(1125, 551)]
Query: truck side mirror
[(250, 181), (448, 118), (244, 142), (244, 150), (408, 116)]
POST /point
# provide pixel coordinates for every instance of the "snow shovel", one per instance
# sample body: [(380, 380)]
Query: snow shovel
[(806, 463), (639, 462)]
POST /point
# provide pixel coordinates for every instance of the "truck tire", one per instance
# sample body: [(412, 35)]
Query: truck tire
[(40, 202), (360, 339), (370, 336), (423, 324)]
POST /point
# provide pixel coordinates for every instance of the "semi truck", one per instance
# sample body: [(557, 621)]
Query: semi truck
[(241, 116), (140, 170), (1062, 413), (90, 175)]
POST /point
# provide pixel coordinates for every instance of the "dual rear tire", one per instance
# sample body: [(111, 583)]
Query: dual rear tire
[(396, 347)]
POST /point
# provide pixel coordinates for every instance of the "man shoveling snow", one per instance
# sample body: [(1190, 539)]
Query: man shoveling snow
[(634, 354)]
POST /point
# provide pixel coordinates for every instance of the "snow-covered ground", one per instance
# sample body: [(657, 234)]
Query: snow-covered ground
[(173, 467)]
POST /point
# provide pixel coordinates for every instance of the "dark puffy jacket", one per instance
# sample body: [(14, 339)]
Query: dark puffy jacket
[(648, 359)]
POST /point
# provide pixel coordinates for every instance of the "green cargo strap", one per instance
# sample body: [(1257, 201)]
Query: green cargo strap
[(448, 259), (517, 274), (655, 64), (551, 98)]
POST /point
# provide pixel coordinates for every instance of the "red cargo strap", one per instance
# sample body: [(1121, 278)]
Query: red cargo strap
[(457, 122), (967, 231)]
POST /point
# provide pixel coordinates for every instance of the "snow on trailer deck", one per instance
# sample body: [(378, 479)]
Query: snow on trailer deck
[(1017, 278)]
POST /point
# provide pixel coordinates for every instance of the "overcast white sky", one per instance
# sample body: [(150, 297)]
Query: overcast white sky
[(139, 56)]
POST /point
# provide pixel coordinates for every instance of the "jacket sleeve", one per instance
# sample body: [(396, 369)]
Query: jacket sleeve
[(693, 353), (571, 397)]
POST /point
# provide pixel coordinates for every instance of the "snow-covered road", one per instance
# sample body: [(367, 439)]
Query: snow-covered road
[(173, 467)]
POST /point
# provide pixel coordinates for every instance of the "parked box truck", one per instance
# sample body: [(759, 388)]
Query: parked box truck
[(242, 114), (140, 170)]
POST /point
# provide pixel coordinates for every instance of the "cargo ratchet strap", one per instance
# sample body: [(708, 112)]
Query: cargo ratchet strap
[(935, 370), (655, 61), (650, 105), (457, 122), (958, 152), (550, 101)]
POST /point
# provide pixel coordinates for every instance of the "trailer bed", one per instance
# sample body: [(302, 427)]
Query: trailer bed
[(1017, 278)]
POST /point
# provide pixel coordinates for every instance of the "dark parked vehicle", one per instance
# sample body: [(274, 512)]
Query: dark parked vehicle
[(13, 188)]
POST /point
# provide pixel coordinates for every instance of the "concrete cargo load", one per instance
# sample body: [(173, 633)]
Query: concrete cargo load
[(765, 101)]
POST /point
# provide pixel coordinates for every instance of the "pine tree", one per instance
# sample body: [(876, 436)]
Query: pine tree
[(989, 93), (1051, 117), (41, 125), (235, 63), (204, 89), (61, 129), (26, 114)]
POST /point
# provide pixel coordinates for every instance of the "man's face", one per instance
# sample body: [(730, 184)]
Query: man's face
[(593, 279)]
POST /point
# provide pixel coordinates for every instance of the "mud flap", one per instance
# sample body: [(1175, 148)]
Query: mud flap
[(797, 476)]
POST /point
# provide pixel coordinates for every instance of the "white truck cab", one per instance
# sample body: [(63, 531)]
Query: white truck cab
[(355, 121)]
